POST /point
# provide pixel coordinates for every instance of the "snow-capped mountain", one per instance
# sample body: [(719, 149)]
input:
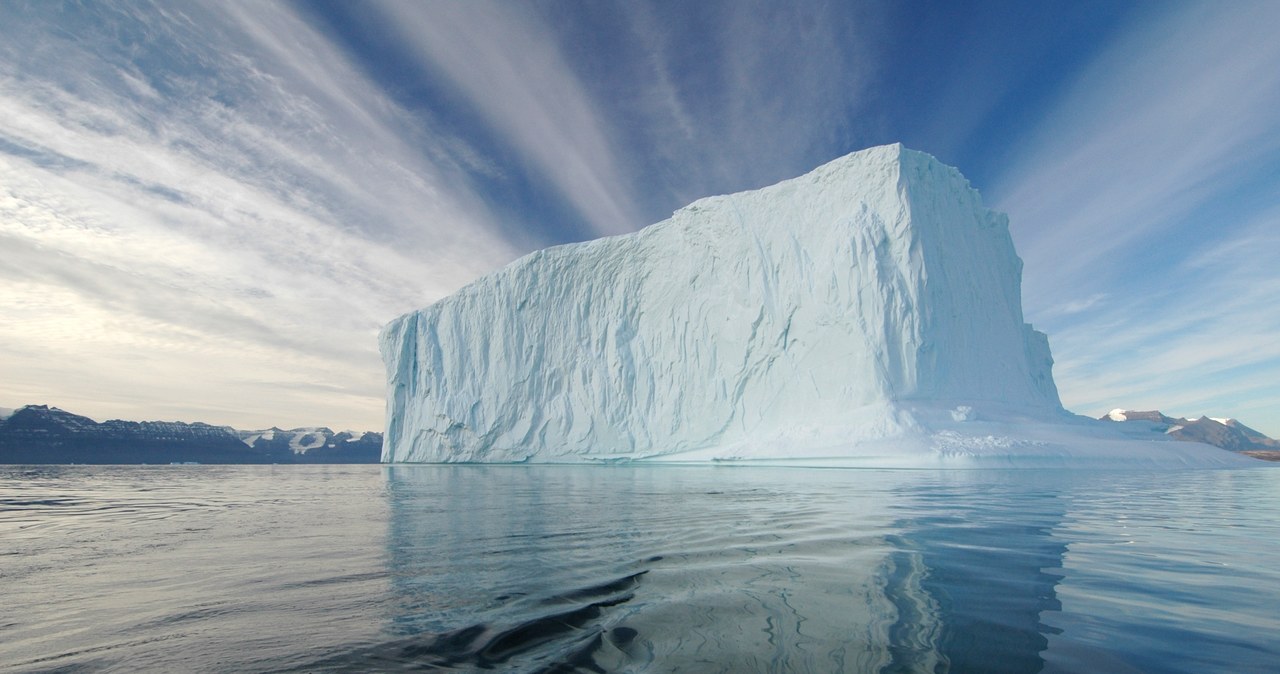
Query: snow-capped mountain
[(1256, 436), (43, 434), (310, 442), (1220, 432)]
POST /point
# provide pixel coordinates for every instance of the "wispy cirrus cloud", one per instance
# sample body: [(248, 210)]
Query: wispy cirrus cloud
[(199, 201), (1148, 186), (738, 95), (1074, 306), (631, 111), (1168, 120), (506, 62)]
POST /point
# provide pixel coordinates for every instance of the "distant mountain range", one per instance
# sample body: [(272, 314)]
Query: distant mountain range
[(38, 434), (1225, 433)]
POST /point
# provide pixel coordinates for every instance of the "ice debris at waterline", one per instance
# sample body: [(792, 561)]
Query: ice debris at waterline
[(867, 313)]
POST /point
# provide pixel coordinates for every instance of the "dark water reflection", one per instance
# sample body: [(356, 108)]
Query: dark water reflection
[(975, 580), (624, 568)]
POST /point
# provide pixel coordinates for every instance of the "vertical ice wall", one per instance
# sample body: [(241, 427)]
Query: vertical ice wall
[(817, 304)]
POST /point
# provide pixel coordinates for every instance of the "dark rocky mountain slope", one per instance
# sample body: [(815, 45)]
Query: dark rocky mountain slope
[(38, 434), (1225, 433)]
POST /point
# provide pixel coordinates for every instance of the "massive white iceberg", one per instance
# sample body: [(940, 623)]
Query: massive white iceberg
[(866, 313)]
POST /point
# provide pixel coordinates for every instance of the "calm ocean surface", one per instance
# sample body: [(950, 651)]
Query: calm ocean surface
[(625, 568)]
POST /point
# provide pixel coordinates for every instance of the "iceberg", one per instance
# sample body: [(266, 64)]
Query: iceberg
[(867, 313)]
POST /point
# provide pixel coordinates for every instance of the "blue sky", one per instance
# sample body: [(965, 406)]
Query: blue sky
[(207, 210)]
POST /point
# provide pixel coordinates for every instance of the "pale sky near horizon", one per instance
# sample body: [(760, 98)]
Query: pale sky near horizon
[(209, 209)]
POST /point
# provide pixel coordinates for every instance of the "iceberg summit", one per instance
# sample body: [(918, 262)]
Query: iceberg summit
[(868, 313)]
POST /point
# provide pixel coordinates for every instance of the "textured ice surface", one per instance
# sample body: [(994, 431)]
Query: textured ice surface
[(867, 312)]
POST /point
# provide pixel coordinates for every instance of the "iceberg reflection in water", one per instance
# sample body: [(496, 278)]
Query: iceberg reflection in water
[(733, 569), (637, 568)]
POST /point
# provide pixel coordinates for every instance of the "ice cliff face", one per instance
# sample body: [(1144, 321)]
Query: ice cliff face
[(822, 307)]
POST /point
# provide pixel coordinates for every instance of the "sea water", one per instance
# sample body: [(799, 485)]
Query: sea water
[(637, 568)]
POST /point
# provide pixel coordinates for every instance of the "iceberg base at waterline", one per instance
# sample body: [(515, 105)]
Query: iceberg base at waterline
[(925, 436), (933, 436)]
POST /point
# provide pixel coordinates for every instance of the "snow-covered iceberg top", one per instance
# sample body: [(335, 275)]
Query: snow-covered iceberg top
[(867, 313)]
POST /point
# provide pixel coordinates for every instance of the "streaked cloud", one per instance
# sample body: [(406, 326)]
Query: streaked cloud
[(1076, 306), (647, 108), (1205, 347), (1146, 186), (1173, 116), (505, 60), (738, 95), (199, 200)]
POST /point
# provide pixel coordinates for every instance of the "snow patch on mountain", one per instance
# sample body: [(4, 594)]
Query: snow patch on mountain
[(299, 440)]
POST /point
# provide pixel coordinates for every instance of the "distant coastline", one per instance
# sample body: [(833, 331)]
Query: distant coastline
[(40, 434), (1229, 434)]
